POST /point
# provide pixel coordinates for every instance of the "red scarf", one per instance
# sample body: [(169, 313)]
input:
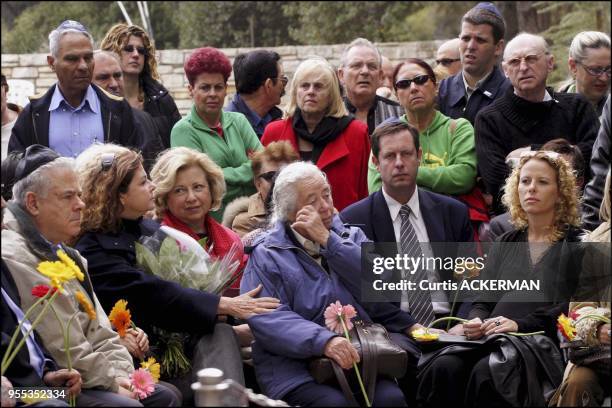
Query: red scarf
[(219, 237)]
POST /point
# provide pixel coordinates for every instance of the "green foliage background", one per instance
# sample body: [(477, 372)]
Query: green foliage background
[(232, 24)]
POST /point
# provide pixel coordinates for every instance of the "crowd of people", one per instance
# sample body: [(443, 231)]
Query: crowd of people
[(477, 149)]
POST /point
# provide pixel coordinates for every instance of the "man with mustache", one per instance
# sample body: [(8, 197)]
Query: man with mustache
[(73, 114), (361, 74), (480, 80), (260, 84), (529, 114)]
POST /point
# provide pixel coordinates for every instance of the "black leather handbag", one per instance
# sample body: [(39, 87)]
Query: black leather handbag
[(379, 357)]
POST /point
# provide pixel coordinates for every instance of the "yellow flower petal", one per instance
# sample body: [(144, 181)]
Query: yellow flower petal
[(71, 264), (152, 367), (85, 305), (423, 335)]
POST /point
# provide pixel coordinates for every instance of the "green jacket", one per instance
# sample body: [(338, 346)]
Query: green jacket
[(448, 164), (231, 152)]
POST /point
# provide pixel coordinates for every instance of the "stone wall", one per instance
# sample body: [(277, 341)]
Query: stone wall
[(33, 67)]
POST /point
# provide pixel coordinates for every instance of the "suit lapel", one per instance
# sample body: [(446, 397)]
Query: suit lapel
[(431, 218), (382, 225)]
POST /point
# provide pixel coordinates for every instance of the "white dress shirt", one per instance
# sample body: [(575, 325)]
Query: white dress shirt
[(416, 219)]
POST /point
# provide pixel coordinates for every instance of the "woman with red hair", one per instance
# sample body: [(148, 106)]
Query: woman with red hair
[(226, 137)]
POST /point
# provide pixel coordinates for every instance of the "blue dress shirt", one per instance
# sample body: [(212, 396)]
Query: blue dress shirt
[(72, 130)]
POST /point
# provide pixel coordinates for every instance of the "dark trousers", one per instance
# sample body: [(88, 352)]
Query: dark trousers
[(458, 380), (311, 394), (165, 395)]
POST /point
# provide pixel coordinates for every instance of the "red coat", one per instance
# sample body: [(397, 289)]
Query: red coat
[(344, 160)]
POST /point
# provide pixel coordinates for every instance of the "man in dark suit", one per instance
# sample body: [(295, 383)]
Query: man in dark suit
[(433, 217)]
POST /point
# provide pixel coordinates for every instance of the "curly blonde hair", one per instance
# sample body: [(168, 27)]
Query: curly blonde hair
[(118, 36), (102, 185), (566, 207), (173, 160)]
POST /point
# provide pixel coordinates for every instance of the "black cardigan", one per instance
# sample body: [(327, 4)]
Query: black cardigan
[(111, 260), (558, 270), (512, 122)]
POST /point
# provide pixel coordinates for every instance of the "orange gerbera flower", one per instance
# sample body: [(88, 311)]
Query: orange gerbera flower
[(120, 317), (85, 305)]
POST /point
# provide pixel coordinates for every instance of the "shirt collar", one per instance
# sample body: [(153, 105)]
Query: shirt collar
[(479, 83), (250, 114), (90, 98), (547, 96), (312, 248), (395, 206), (352, 109)]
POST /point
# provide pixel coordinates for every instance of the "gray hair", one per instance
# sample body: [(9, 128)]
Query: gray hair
[(531, 38), (587, 39), (111, 54), (360, 42), (38, 181), (284, 195), (58, 33)]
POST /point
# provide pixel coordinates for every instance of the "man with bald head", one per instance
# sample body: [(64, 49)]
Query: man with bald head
[(448, 56), (107, 74), (529, 114)]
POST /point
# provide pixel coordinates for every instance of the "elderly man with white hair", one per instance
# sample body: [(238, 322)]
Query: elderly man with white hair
[(529, 114), (308, 260), (74, 113)]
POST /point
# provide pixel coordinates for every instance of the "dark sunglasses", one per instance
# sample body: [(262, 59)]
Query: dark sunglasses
[(269, 176), (130, 48), (107, 161), (405, 83), (446, 61)]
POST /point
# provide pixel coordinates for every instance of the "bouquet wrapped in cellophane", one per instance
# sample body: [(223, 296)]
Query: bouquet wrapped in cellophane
[(175, 256)]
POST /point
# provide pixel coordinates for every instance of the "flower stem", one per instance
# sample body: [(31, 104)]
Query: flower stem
[(525, 334), (71, 399), (13, 354), (363, 391), (594, 316), (452, 310), (449, 319)]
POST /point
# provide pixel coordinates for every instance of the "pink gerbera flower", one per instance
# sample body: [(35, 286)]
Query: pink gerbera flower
[(335, 313), (142, 383)]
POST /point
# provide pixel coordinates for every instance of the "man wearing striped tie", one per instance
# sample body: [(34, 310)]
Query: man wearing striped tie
[(410, 216)]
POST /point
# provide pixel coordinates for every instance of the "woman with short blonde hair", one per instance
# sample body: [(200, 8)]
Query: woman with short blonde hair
[(189, 187), (320, 129)]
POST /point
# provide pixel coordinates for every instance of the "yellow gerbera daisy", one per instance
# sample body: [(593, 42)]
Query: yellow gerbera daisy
[(63, 256), (86, 306), (57, 272), (152, 367)]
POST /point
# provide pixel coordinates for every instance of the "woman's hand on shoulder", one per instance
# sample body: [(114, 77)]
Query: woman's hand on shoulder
[(247, 305)]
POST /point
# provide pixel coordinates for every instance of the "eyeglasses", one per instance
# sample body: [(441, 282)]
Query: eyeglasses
[(130, 49), (447, 61), (405, 83), (283, 79), (268, 176), (597, 71), (529, 60), (107, 161)]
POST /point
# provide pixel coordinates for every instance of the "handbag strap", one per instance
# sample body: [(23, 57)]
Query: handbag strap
[(344, 385), (369, 360)]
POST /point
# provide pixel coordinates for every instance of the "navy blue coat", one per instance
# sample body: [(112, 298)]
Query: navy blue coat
[(287, 338), (111, 262), (452, 100)]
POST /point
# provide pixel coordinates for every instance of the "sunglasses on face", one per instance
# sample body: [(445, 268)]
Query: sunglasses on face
[(130, 49), (405, 83), (269, 176), (445, 62)]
